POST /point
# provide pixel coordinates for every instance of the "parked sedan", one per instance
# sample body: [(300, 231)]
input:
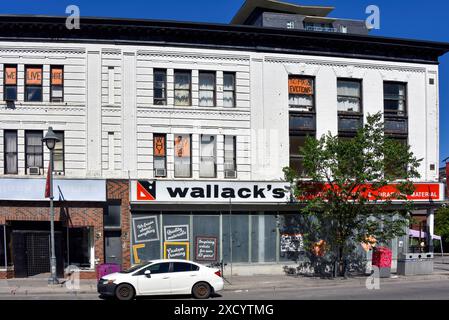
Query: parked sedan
[(162, 277)]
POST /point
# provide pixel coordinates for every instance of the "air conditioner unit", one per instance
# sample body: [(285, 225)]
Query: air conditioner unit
[(230, 174), (34, 171), (160, 172)]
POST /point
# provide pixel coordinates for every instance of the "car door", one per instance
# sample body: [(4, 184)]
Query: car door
[(184, 276), (157, 283)]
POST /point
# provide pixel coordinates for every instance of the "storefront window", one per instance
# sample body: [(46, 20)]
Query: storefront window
[(80, 247), (263, 238), (146, 237), (207, 228), (235, 231)]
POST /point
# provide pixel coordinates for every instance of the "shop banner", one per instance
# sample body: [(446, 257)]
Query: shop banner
[(208, 191)]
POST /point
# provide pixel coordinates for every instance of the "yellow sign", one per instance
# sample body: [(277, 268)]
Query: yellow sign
[(136, 256), (176, 250)]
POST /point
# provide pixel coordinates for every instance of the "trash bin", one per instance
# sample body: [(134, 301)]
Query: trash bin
[(410, 264), (382, 259), (107, 268)]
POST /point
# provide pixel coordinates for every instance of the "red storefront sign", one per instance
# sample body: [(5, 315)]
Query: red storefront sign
[(423, 192)]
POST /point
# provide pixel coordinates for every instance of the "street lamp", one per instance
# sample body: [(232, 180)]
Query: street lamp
[(50, 140)]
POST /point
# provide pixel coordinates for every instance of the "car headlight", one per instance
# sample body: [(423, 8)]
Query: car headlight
[(107, 281)]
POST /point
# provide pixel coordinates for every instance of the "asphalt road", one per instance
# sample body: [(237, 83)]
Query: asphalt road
[(423, 290)]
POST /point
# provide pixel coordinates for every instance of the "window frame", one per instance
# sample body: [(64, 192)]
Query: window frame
[(52, 85), (234, 89), (163, 100), (234, 154), (164, 135), (300, 107), (63, 152), (214, 90), (181, 71), (174, 153), (360, 82), (396, 113), (41, 86), (26, 147), (214, 156), (298, 156), (5, 154), (5, 86)]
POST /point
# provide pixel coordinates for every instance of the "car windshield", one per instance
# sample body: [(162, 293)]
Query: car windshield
[(136, 267)]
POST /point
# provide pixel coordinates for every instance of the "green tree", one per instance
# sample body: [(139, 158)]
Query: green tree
[(442, 224), (344, 196)]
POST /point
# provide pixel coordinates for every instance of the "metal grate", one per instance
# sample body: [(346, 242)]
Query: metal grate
[(38, 253)]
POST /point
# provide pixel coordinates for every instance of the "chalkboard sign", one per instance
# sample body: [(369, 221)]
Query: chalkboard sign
[(145, 229), (176, 250), (206, 249), (176, 233)]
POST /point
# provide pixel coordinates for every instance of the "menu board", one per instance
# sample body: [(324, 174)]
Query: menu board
[(145, 229), (292, 243), (206, 249), (176, 250), (176, 233)]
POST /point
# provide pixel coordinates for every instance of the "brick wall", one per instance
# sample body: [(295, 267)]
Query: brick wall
[(118, 190)]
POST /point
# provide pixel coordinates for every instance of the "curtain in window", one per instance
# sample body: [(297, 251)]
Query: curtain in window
[(58, 155), (229, 153), (182, 156), (11, 152), (34, 149), (182, 88), (207, 89), (228, 90), (300, 101), (348, 96), (207, 159)]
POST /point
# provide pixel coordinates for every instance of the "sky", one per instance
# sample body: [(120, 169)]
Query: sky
[(414, 19)]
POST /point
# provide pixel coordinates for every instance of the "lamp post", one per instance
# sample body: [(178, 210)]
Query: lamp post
[(50, 140)]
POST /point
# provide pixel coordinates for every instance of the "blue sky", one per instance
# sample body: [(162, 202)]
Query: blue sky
[(416, 19)]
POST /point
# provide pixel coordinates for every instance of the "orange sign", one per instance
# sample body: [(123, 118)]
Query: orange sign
[(423, 192), (298, 85), (34, 76), (11, 75), (159, 146), (57, 76), (182, 146)]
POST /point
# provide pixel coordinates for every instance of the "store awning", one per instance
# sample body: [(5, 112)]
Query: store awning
[(422, 234)]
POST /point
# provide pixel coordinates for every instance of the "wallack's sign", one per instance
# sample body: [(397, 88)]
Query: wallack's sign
[(208, 191)]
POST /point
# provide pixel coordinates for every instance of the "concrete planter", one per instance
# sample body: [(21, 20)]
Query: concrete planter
[(410, 264)]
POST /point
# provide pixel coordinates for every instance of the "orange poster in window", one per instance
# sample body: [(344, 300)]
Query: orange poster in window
[(159, 146), (34, 76), (56, 76), (300, 86), (182, 146), (11, 75)]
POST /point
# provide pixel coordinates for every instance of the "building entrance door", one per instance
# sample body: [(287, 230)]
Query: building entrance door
[(113, 247)]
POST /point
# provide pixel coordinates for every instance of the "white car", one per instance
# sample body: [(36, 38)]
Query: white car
[(162, 277)]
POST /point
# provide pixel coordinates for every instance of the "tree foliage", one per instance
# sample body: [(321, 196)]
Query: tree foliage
[(442, 224), (346, 196)]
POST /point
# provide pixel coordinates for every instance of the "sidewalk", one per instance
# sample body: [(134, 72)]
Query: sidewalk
[(24, 287)]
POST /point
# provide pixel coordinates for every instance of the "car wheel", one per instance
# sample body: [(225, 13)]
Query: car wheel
[(125, 292), (201, 290)]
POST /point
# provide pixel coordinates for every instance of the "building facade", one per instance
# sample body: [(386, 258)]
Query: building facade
[(174, 135)]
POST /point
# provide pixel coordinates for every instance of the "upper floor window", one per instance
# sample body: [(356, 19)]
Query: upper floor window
[(296, 159), (160, 155), (301, 93), (395, 98), (10, 83), (57, 84), (160, 87), (58, 153), (183, 158), (229, 89), (349, 96), (230, 157), (208, 163), (207, 83), (33, 83), (34, 150), (10, 150), (183, 88)]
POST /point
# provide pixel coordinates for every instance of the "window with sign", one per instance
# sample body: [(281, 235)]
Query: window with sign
[(10, 83), (349, 95), (301, 93), (33, 83), (160, 154), (183, 158), (183, 88), (57, 84), (395, 98), (160, 87), (208, 162), (207, 84)]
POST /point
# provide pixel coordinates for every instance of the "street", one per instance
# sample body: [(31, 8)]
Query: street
[(417, 290)]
